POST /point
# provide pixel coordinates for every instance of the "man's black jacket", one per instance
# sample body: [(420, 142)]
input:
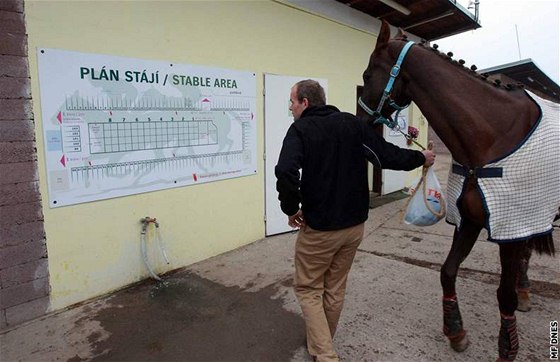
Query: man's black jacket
[(331, 149)]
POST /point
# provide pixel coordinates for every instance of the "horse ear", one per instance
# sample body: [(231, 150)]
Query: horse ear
[(400, 34), (384, 35)]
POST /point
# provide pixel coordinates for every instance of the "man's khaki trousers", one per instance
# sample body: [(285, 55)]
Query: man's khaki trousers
[(323, 260)]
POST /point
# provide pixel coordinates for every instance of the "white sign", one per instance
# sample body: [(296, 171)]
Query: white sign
[(117, 126), (402, 124)]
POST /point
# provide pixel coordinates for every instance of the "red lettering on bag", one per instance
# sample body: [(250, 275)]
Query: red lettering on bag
[(434, 193)]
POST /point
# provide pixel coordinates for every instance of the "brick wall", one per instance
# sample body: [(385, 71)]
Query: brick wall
[(24, 279)]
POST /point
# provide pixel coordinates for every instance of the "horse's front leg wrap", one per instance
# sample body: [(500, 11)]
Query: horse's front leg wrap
[(508, 344), (452, 321), (453, 324)]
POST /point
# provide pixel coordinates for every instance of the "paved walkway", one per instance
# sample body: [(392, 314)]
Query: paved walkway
[(239, 306)]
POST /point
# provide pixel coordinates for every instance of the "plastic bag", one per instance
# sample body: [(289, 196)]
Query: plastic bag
[(417, 212)]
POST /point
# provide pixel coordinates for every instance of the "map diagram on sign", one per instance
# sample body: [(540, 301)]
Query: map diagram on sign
[(118, 126)]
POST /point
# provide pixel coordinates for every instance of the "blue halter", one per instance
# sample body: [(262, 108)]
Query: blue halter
[(392, 123)]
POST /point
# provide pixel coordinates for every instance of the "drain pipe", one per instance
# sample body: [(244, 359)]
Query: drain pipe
[(145, 224)]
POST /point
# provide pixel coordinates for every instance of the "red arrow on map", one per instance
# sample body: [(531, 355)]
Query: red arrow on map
[(59, 117), (63, 161)]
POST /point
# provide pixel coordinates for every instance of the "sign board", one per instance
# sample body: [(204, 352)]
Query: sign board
[(116, 126)]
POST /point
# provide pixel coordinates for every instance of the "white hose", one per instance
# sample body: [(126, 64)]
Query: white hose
[(161, 247), (145, 256)]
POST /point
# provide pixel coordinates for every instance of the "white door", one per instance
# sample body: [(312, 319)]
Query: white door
[(395, 180), (277, 120)]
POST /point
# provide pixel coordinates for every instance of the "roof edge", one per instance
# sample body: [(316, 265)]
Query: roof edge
[(516, 63), (466, 12)]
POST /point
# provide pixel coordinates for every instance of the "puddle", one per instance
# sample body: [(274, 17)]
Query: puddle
[(187, 317)]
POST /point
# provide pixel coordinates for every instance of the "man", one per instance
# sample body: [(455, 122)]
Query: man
[(331, 149)]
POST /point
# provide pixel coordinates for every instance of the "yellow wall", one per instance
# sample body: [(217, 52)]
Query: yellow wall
[(419, 121), (94, 248)]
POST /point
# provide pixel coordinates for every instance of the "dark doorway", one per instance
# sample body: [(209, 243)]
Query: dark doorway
[(377, 180)]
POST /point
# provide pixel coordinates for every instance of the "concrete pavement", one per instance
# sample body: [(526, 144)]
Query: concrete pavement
[(239, 306)]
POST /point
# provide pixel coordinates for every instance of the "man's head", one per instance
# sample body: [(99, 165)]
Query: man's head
[(304, 94)]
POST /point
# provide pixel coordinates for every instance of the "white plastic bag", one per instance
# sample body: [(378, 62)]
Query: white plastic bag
[(427, 204)]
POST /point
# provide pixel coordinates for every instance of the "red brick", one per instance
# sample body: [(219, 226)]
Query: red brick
[(12, 5), (23, 233), (22, 151), (23, 253), (16, 109), (13, 66), (13, 44), (11, 22), (24, 273), (22, 130), (14, 88), (20, 214), (17, 171), (27, 311), (18, 193), (23, 293)]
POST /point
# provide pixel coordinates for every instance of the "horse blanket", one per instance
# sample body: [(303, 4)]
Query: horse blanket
[(521, 190)]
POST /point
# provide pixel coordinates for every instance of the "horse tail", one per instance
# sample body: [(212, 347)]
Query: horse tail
[(543, 244)]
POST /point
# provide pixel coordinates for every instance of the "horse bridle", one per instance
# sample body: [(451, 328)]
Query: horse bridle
[(378, 117)]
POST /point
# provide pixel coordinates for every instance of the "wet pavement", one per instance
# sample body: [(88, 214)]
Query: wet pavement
[(196, 318), (239, 306)]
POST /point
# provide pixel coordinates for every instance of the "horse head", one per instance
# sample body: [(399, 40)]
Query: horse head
[(377, 100)]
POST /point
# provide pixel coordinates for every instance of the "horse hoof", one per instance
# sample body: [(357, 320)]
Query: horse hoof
[(502, 360), (460, 345), (523, 302), (524, 305)]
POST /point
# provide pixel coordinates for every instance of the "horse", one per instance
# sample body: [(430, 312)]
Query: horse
[(484, 125)]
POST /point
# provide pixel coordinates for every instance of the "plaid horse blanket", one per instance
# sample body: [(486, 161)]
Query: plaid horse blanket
[(520, 191)]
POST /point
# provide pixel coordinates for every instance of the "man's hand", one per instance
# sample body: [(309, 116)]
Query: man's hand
[(430, 158), (297, 220)]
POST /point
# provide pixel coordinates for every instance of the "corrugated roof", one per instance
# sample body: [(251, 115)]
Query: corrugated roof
[(529, 74), (428, 19)]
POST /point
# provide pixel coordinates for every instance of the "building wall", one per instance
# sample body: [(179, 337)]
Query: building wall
[(419, 121), (24, 283), (94, 248)]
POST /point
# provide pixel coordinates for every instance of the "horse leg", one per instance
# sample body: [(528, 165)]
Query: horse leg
[(463, 242), (508, 344), (523, 285)]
